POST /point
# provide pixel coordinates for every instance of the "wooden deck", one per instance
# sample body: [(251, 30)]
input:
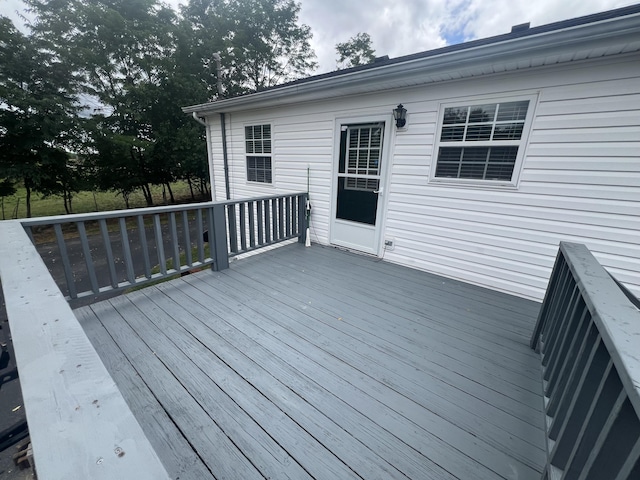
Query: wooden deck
[(317, 363)]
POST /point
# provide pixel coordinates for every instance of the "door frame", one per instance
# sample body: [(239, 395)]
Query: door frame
[(385, 173)]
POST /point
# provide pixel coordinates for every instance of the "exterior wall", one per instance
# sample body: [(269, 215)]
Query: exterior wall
[(580, 179)]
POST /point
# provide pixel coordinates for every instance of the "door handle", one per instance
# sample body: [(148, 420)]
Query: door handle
[(378, 191)]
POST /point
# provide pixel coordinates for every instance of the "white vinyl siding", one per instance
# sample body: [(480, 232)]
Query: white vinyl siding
[(579, 180)]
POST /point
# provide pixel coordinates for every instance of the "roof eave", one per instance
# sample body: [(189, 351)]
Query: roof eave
[(598, 34)]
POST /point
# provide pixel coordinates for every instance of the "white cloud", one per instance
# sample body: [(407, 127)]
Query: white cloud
[(409, 26)]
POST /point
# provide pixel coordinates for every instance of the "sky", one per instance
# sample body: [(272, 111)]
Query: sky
[(402, 27)]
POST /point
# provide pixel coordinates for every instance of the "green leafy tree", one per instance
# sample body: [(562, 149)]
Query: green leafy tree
[(117, 49), (356, 51), (260, 42), (37, 112)]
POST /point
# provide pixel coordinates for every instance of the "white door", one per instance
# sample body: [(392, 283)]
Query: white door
[(359, 186)]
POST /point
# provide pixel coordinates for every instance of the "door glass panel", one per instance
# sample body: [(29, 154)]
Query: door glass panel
[(359, 173)]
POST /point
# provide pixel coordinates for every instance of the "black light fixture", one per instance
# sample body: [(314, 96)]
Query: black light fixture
[(400, 116)]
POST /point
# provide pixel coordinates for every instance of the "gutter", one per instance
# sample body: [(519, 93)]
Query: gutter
[(209, 154), (225, 155)]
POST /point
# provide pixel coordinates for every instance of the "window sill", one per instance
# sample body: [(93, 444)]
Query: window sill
[(478, 184)]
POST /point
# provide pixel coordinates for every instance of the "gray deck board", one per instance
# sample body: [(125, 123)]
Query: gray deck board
[(391, 369), (319, 363)]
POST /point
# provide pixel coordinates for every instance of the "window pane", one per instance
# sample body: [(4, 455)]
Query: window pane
[(353, 138), (376, 137), (455, 115), (353, 160), (501, 163), (482, 113), (248, 133), (452, 134), (472, 170), (364, 138), (259, 169), (508, 131), (266, 131), (266, 146), (448, 162), (478, 132), (513, 111), (249, 144)]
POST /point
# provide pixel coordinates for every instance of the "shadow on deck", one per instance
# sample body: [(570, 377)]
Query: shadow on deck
[(318, 363)]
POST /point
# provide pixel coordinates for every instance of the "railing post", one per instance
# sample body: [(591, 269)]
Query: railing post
[(218, 239), (302, 217)]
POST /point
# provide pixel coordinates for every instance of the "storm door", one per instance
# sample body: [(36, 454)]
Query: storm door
[(358, 187)]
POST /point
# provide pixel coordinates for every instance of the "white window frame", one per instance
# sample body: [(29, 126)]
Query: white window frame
[(254, 154), (521, 144)]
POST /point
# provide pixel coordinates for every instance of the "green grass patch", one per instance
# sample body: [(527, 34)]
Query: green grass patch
[(15, 206)]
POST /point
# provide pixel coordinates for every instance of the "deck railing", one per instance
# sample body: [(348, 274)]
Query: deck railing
[(588, 333), (79, 423), (126, 248)]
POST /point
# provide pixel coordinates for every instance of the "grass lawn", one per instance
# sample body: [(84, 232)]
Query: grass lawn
[(15, 206)]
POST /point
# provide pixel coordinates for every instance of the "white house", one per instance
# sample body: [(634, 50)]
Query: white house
[(511, 144)]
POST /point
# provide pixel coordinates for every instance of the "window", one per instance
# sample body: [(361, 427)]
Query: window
[(481, 141), (258, 148), (363, 149)]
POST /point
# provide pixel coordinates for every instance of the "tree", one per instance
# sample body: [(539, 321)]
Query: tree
[(355, 52), (37, 112), (117, 49), (260, 42)]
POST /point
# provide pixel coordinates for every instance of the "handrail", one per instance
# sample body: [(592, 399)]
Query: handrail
[(121, 249), (79, 423), (133, 212), (588, 333)]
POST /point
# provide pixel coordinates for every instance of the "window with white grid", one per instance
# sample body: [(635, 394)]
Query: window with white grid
[(482, 141), (258, 149)]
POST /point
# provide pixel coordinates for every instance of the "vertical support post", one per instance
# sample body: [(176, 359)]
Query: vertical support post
[(200, 235), (267, 222), (126, 249), (175, 246), (68, 273), (86, 251), (252, 225), (233, 229), (159, 244), (187, 237), (109, 252), (243, 227), (218, 238), (259, 213), (302, 217), (145, 247)]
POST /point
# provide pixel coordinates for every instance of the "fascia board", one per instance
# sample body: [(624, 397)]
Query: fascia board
[(601, 34)]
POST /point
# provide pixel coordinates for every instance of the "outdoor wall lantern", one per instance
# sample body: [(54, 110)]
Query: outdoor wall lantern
[(400, 116)]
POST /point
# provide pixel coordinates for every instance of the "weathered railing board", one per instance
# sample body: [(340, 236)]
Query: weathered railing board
[(106, 240), (145, 248), (261, 217), (66, 265), (200, 236), (162, 261), (187, 239), (79, 424), (252, 227), (592, 391)]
